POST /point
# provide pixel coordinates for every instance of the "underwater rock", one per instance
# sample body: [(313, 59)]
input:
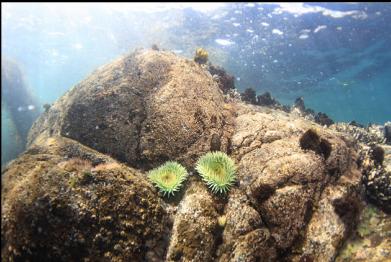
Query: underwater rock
[(21, 107), (371, 240), (354, 123), (46, 107), (12, 143), (194, 232), (320, 118), (296, 195), (387, 132), (377, 154), (242, 236), (155, 47), (332, 221), (143, 109), (377, 131), (300, 109), (363, 135), (323, 119), (374, 161), (225, 81), (62, 201), (273, 169), (249, 96), (299, 104), (376, 165), (266, 100)]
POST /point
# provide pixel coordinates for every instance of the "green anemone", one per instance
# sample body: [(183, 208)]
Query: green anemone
[(217, 170), (168, 177)]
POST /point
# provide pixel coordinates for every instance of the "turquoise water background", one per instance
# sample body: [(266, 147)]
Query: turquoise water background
[(335, 55)]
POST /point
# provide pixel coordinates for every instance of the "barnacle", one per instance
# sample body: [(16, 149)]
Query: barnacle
[(168, 178), (217, 170)]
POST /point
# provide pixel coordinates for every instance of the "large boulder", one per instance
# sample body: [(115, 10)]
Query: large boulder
[(19, 109), (287, 167), (296, 197), (142, 109), (62, 201)]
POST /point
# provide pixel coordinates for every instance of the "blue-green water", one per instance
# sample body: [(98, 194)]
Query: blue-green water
[(336, 55)]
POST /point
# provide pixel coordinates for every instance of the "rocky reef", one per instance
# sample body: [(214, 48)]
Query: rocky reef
[(80, 191), (19, 110), (374, 161), (371, 240)]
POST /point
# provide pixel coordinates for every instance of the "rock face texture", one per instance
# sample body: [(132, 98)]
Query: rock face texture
[(374, 161), (64, 202), (371, 241), (80, 190), (142, 109), (195, 226), (286, 185)]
